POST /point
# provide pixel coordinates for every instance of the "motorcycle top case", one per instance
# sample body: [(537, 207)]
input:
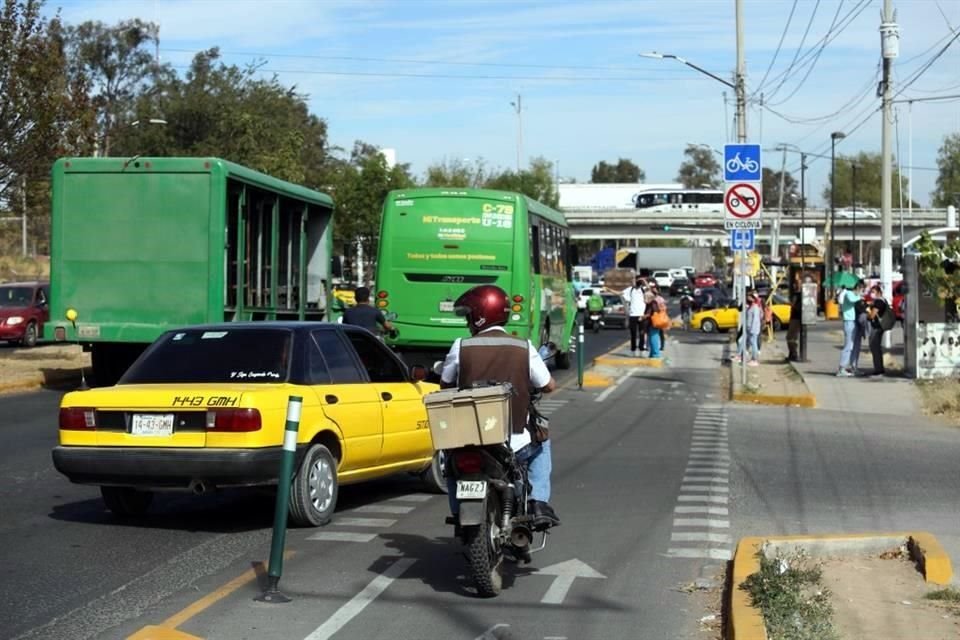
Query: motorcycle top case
[(469, 417)]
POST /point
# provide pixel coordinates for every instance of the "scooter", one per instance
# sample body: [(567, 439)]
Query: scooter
[(595, 320)]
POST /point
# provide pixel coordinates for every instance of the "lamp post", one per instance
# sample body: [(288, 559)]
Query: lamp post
[(836, 135)]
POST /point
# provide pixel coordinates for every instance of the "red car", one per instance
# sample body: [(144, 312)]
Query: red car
[(704, 280), (23, 310)]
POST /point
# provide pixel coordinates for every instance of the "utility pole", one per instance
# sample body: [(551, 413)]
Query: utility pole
[(741, 86), (890, 49), (853, 245), (802, 347)]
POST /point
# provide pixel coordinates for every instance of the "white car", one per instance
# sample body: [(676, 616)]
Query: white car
[(582, 298), (676, 273), (662, 278), (863, 214)]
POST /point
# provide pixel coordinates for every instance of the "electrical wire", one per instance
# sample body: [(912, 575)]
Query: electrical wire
[(857, 97), (803, 41), (776, 53)]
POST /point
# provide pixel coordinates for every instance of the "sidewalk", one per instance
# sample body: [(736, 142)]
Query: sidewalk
[(891, 395)]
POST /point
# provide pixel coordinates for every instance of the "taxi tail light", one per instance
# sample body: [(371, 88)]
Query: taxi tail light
[(234, 420), (468, 461), (78, 419)]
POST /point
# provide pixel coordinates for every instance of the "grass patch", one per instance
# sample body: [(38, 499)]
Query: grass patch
[(949, 594), (941, 397), (16, 268), (790, 594)]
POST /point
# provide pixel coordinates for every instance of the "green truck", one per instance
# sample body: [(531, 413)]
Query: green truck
[(142, 245)]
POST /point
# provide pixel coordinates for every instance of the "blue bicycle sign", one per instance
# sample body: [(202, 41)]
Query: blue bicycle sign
[(741, 163)]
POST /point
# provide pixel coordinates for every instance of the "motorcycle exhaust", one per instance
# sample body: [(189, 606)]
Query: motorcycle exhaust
[(521, 537)]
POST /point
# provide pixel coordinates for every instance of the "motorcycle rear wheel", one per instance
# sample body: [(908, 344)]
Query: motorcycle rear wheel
[(484, 552)]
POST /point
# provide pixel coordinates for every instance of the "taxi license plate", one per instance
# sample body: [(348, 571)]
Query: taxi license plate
[(471, 489), (446, 305), (152, 424)]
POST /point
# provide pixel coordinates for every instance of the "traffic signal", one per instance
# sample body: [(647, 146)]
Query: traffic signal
[(660, 227)]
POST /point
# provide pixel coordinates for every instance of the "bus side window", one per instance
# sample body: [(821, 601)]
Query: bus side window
[(535, 248)]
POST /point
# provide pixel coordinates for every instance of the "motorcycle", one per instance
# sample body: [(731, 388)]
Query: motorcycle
[(491, 489), (595, 321)]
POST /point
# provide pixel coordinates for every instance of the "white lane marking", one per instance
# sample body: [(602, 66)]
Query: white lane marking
[(489, 633), (710, 499), (696, 536), (706, 448), (710, 511), (359, 602), (710, 457), (381, 508), (342, 536), (707, 468), (701, 522), (566, 573), (709, 488), (709, 479), (364, 522), (413, 497), (606, 392), (713, 554)]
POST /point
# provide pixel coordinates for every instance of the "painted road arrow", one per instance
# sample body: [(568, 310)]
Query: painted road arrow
[(566, 573)]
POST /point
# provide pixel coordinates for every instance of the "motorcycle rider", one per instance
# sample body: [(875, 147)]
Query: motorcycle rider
[(492, 355), (595, 305), (367, 316)]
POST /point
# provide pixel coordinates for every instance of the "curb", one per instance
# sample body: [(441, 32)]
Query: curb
[(807, 400), (746, 623), (628, 361)]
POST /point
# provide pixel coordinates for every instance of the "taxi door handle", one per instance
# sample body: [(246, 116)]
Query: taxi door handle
[(386, 395), (331, 399)]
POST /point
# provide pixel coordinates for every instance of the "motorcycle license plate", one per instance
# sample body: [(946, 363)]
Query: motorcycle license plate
[(471, 489)]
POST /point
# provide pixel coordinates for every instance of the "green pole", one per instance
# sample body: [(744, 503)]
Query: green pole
[(272, 594), (580, 355)]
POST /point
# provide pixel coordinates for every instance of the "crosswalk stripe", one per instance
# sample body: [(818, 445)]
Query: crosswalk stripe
[(709, 479), (701, 522), (342, 536), (696, 536), (382, 508), (702, 498), (413, 497), (364, 522), (713, 554), (709, 488), (710, 511)]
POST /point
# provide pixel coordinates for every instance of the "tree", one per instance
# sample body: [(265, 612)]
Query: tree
[(700, 170), (719, 254), (44, 111), (535, 182), (456, 173), (771, 190), (947, 191), (119, 63), (623, 171), (869, 169)]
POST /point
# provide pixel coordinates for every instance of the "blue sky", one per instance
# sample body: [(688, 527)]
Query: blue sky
[(435, 79)]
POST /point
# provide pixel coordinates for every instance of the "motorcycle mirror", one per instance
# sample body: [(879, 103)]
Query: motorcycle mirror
[(438, 367)]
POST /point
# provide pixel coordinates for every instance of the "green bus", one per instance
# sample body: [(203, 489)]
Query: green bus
[(142, 245), (436, 243)]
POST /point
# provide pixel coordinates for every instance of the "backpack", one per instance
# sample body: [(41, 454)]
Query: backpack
[(887, 319)]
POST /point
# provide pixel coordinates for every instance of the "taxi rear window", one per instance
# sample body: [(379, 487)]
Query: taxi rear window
[(215, 355)]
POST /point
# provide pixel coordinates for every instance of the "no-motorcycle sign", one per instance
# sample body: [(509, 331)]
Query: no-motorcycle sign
[(743, 204)]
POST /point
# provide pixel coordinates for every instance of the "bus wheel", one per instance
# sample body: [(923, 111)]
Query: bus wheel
[(562, 359)]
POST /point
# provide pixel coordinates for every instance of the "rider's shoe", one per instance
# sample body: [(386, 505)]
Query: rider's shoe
[(543, 514)]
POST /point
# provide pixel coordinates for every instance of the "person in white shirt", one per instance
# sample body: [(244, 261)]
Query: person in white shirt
[(633, 298)]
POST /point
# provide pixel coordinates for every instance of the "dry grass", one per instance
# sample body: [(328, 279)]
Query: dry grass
[(17, 268), (941, 397)]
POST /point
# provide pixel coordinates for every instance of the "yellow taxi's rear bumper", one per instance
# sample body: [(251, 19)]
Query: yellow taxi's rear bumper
[(168, 467)]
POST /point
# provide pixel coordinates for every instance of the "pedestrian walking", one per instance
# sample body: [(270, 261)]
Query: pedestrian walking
[(662, 305), (633, 298), (659, 320), (847, 300), (881, 320)]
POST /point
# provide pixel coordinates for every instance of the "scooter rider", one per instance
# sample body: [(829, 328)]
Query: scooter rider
[(595, 305), (491, 355)]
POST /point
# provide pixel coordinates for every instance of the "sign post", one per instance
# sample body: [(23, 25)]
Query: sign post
[(743, 205)]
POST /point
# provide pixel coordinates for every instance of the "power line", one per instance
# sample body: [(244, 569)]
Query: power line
[(803, 41), (815, 119), (776, 53)]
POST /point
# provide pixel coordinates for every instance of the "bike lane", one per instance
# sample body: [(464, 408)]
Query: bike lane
[(388, 568)]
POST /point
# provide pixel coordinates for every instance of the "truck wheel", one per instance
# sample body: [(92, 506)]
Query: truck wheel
[(126, 502), (30, 335), (313, 496)]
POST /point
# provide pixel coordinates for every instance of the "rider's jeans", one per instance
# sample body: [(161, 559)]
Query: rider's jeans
[(539, 466)]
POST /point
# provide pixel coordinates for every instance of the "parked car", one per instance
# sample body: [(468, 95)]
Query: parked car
[(614, 311), (703, 280), (859, 213), (678, 273), (204, 407), (662, 278), (23, 311)]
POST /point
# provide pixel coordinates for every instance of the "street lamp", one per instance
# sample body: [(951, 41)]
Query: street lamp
[(836, 135)]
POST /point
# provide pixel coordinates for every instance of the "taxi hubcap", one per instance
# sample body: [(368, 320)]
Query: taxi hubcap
[(321, 485)]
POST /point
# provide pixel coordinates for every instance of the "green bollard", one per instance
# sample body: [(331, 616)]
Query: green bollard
[(580, 356), (272, 594)]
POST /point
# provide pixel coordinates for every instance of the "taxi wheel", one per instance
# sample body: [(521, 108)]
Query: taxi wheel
[(777, 325), (708, 326), (126, 501), (433, 476), (313, 496)]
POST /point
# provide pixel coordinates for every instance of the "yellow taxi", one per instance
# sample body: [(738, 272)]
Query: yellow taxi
[(205, 407), (727, 315)]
